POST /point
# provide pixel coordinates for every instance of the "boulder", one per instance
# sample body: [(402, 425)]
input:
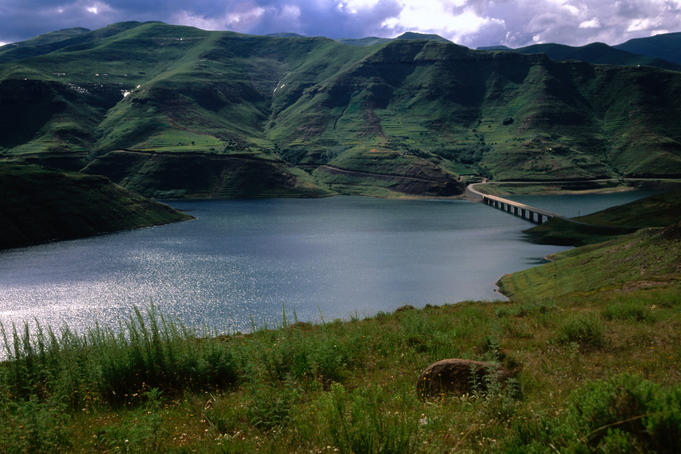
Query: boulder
[(458, 376)]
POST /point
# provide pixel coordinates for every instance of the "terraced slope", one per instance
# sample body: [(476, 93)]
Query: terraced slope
[(168, 110)]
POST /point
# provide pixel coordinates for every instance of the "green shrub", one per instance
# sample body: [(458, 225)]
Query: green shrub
[(34, 426), (625, 414), (271, 406), (628, 310), (585, 330)]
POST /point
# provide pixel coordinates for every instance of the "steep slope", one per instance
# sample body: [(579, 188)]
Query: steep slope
[(169, 110), (39, 206), (666, 46), (503, 114)]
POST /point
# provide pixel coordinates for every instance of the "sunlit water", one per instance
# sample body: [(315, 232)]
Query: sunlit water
[(245, 260)]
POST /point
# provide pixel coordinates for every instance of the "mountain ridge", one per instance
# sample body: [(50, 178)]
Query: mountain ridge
[(139, 102)]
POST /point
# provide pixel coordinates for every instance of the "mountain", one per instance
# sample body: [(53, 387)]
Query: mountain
[(369, 41), (497, 47), (665, 46), (597, 53), (171, 111), (422, 36)]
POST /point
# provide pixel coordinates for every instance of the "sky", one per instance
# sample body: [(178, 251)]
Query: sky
[(472, 23)]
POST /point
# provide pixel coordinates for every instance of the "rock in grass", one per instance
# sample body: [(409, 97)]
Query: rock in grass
[(458, 376)]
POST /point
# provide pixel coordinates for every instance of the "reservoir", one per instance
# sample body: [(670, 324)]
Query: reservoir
[(242, 262)]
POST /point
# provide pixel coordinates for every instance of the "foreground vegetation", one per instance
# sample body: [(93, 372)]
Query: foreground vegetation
[(40, 205), (598, 363)]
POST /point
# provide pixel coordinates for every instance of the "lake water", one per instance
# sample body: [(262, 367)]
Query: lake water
[(243, 260)]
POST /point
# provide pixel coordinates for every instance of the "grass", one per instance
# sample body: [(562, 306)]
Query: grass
[(597, 369), (41, 205), (646, 259), (654, 211)]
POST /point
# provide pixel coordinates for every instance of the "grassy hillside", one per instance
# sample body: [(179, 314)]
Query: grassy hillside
[(40, 205), (413, 106), (592, 340), (647, 259), (655, 211)]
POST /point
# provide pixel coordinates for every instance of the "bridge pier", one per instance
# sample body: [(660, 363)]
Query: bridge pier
[(528, 213)]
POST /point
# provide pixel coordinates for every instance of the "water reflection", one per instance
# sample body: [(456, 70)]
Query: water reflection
[(243, 259)]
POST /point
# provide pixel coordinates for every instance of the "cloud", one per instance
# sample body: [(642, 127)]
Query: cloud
[(591, 23), (470, 22), (242, 18), (643, 23), (452, 19)]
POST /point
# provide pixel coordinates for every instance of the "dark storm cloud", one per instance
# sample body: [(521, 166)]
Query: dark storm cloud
[(469, 22)]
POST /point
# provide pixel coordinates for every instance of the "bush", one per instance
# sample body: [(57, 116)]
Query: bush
[(628, 310), (271, 406), (585, 330), (34, 426), (623, 414)]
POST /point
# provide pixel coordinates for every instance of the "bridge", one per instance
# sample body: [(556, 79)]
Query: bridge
[(527, 212)]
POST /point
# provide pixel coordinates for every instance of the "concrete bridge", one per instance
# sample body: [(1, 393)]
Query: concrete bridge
[(527, 212)]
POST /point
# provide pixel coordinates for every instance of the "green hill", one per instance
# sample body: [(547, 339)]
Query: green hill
[(39, 205), (170, 110), (648, 258), (666, 46), (655, 211), (597, 53)]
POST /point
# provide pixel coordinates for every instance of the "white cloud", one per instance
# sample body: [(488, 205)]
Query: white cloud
[(95, 8), (246, 17), (592, 23), (355, 6), (565, 5), (2, 43), (449, 19), (240, 20), (646, 23)]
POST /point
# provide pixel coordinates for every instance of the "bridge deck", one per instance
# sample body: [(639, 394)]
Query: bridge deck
[(470, 189)]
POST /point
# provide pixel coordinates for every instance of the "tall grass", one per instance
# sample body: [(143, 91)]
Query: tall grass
[(147, 351), (152, 385)]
